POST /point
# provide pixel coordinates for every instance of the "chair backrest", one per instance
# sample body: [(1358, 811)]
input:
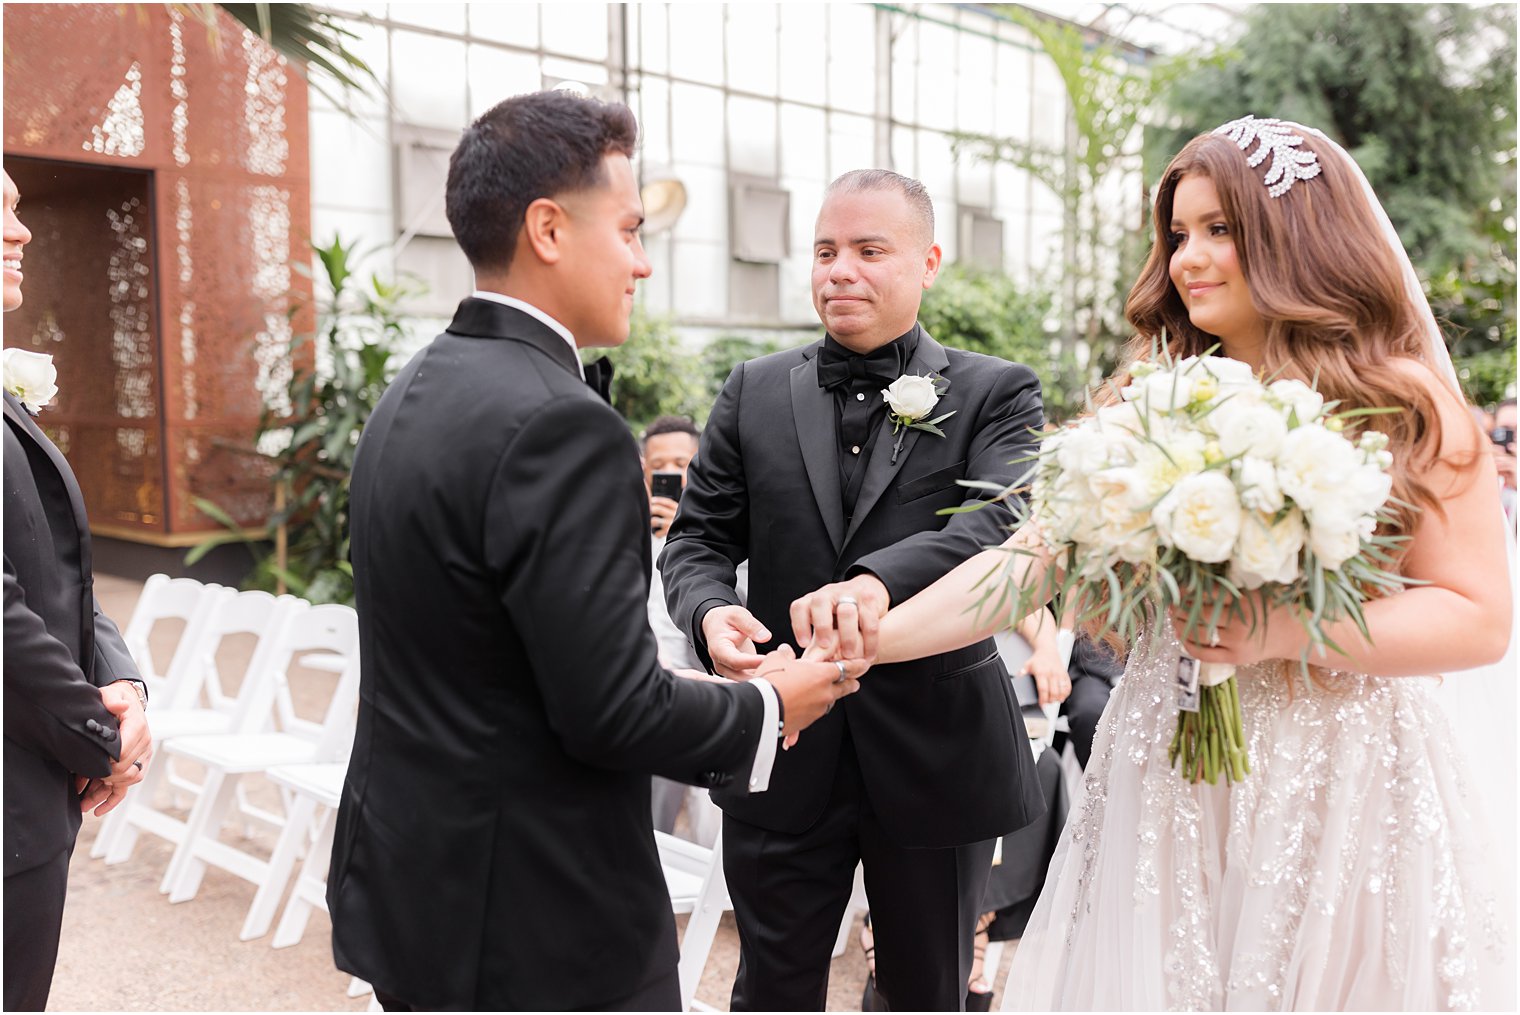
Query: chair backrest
[(331, 630), (231, 613), (165, 598)]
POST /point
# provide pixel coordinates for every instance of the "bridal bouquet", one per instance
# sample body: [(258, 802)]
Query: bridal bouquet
[(1209, 491)]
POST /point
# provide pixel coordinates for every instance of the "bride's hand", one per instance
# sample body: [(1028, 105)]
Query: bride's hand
[(1276, 634)]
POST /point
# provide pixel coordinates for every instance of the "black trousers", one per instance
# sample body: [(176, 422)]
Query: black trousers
[(33, 921), (790, 891), (664, 994)]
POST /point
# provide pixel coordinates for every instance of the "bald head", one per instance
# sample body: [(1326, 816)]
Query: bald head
[(913, 193)]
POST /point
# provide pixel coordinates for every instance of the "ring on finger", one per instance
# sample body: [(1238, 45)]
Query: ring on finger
[(843, 673), (847, 601), (138, 765)]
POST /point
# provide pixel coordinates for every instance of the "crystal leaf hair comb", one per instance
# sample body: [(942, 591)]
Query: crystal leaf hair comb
[(1279, 140)]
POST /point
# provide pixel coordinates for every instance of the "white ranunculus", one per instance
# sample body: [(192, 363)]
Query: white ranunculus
[(1121, 419), (1127, 529), (1231, 374), (1267, 552), (1200, 517), (1297, 398), (1336, 535), (1249, 430), (1314, 466), (910, 396), (1169, 454), (1257, 479), (31, 377)]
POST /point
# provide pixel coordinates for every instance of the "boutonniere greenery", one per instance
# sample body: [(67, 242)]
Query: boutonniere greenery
[(31, 377), (911, 398)]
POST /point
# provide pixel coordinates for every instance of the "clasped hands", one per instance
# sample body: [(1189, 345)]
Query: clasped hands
[(836, 626), (103, 794)]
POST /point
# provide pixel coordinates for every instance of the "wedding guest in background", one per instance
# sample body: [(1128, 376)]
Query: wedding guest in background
[(494, 833), (668, 446), (75, 734)]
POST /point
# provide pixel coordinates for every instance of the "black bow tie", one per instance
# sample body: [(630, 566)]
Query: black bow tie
[(599, 377), (839, 366)]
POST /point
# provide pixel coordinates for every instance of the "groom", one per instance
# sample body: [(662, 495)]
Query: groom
[(800, 472), (493, 849)]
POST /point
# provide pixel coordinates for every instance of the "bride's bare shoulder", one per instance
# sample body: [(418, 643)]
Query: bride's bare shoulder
[(1458, 434)]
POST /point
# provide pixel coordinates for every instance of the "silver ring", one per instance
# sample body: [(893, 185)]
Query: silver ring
[(842, 672), (847, 599)]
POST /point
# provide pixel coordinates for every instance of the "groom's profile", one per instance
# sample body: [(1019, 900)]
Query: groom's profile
[(494, 839)]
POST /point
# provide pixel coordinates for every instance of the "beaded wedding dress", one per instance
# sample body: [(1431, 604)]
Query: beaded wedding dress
[(1366, 862), (1352, 869)]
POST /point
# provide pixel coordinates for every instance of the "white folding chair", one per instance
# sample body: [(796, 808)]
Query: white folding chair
[(316, 789), (229, 614), (694, 876), (165, 598), (228, 758)]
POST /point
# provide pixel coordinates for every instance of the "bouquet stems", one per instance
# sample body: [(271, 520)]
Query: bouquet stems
[(1212, 740)]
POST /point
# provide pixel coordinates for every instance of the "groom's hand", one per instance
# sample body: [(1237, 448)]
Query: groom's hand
[(808, 688), (731, 633), (842, 619)]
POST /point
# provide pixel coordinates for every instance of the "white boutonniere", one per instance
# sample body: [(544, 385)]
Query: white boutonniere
[(911, 398), (31, 377)]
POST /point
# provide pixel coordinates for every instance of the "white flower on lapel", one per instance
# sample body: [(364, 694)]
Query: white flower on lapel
[(31, 377), (911, 398)]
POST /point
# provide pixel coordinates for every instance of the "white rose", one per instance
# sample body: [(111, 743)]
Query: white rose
[(1335, 536), (1230, 373), (910, 396), (1126, 528), (1066, 510), (1083, 450), (1257, 479), (1167, 456), (1122, 419), (1162, 391), (1249, 430), (1266, 552), (1368, 488), (31, 377), (1200, 517), (1297, 398), (1314, 466)]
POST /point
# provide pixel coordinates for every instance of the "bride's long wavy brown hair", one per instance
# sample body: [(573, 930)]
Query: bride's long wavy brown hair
[(1329, 289)]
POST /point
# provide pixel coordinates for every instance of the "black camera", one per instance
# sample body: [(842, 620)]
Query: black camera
[(1504, 436)]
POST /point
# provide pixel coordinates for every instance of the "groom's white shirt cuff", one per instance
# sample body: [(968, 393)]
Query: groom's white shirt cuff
[(532, 311), (765, 751)]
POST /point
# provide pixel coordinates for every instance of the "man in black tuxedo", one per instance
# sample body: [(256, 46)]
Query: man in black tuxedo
[(800, 472), (75, 734), (493, 849)]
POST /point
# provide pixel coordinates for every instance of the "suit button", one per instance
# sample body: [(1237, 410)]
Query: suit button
[(860, 396), (92, 725), (854, 449), (107, 734)]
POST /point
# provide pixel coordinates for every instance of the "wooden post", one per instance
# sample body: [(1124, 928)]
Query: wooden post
[(280, 540)]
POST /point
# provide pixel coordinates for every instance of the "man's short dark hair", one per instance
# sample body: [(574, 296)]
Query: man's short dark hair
[(530, 146), (914, 192), (669, 424)]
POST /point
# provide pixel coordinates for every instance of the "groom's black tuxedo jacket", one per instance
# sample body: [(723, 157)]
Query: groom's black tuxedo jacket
[(494, 847), (941, 745), (59, 650)]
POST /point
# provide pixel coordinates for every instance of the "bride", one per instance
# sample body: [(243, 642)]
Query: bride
[(1354, 867)]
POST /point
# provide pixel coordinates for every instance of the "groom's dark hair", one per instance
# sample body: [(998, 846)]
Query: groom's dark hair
[(530, 146)]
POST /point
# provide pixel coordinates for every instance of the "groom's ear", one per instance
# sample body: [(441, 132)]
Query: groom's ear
[(543, 223)]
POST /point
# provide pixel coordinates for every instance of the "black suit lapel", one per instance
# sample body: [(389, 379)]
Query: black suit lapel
[(813, 413), (881, 470), (479, 318), (28, 427)]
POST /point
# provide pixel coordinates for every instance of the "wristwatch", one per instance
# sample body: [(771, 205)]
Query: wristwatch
[(141, 688)]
